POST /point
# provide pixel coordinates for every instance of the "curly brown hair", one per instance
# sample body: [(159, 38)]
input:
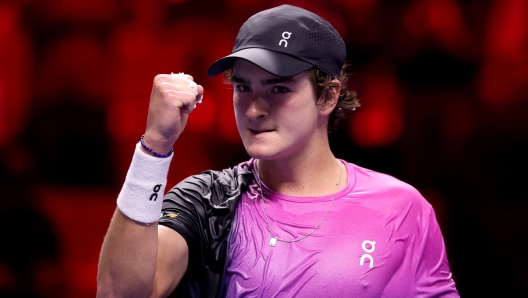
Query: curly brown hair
[(347, 101), (322, 83)]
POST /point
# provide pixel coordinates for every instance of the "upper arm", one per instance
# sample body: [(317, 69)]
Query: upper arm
[(172, 261), (434, 277)]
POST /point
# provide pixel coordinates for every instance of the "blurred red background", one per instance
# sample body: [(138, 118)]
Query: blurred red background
[(443, 86)]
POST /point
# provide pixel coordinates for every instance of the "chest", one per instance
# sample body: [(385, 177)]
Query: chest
[(355, 251)]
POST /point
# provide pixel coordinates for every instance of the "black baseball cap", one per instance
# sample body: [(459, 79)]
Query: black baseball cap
[(285, 41)]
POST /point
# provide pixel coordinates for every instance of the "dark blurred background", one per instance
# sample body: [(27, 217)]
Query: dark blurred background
[(444, 92)]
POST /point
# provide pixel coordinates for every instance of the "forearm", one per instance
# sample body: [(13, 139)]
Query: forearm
[(135, 260), (129, 254), (128, 258)]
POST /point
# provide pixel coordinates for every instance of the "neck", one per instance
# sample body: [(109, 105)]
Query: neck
[(312, 173)]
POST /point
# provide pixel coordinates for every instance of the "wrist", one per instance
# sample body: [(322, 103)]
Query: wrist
[(157, 149), (142, 193)]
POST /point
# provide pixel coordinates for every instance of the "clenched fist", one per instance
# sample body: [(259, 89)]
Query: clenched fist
[(173, 98)]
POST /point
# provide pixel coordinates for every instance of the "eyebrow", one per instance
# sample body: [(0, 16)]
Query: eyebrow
[(273, 81)]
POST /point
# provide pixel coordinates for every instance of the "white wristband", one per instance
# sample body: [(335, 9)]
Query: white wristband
[(142, 194)]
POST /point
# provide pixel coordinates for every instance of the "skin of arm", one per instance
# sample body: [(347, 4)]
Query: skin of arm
[(139, 260), (147, 260)]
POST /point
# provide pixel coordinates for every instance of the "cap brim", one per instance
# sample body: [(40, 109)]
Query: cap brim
[(273, 62)]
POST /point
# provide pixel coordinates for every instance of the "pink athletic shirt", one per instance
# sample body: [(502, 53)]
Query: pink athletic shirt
[(380, 239)]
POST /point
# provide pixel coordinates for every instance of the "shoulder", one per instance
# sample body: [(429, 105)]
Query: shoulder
[(385, 189), (214, 185), (228, 177)]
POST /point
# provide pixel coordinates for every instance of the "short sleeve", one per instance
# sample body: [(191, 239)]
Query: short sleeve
[(201, 209), (433, 276)]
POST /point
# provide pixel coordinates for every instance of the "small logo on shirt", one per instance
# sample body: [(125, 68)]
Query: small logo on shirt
[(285, 35), (171, 215), (372, 245)]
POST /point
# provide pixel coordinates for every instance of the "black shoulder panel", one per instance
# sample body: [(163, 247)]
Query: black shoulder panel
[(201, 209)]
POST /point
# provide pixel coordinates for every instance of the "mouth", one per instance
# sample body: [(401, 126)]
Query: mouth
[(259, 131)]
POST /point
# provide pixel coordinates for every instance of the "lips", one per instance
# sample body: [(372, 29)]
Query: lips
[(259, 131)]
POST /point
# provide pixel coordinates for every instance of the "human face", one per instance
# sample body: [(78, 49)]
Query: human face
[(277, 117)]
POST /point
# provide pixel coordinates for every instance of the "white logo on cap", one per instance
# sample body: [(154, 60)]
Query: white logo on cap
[(285, 35)]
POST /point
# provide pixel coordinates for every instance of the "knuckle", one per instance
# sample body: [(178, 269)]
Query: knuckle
[(157, 83), (168, 93), (174, 97), (174, 103), (165, 86), (159, 79)]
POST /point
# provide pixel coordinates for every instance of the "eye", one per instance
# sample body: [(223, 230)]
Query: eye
[(242, 88), (280, 89)]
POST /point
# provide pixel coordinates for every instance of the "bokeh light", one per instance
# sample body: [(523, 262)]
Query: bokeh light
[(443, 87)]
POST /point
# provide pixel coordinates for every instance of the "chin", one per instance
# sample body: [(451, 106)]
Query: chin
[(266, 153), (258, 152), (258, 155)]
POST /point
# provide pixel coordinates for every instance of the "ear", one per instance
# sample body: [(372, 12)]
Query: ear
[(329, 98)]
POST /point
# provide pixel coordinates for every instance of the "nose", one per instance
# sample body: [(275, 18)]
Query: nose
[(257, 109)]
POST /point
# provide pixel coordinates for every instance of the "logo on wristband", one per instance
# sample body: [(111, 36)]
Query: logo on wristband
[(154, 196)]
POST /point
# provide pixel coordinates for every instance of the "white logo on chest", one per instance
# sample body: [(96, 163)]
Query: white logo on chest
[(368, 251), (285, 35)]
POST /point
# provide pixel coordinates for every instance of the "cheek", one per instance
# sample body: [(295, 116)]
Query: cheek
[(237, 105), (302, 110), (240, 109)]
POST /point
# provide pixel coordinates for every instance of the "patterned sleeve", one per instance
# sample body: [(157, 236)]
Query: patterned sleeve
[(200, 209), (433, 276)]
